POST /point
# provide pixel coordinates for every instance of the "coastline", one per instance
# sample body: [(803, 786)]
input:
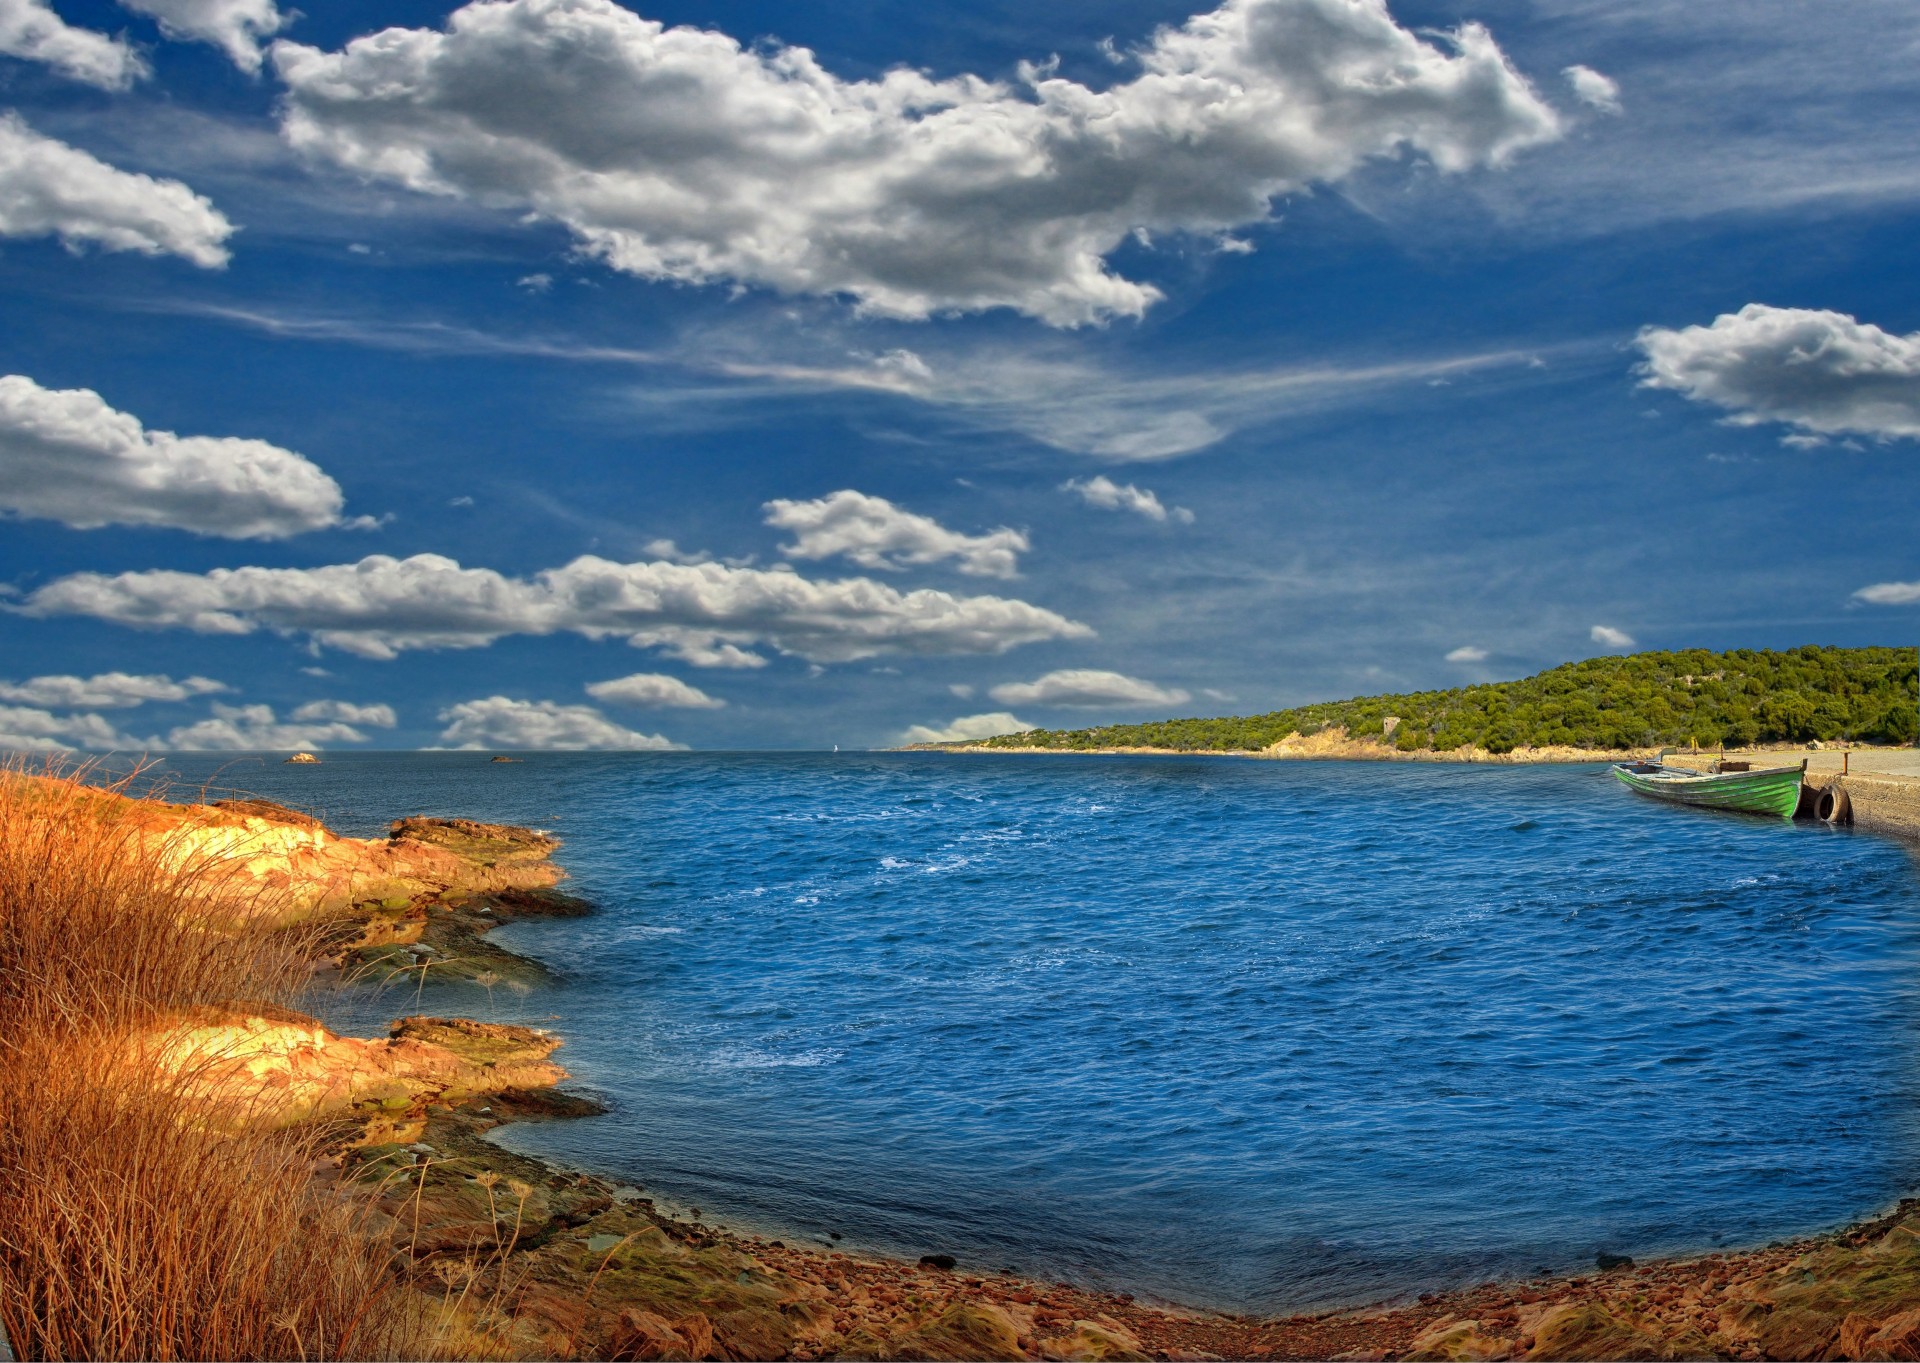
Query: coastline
[(545, 1261)]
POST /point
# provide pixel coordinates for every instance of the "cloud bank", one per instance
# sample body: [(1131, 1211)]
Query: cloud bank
[(66, 456), (106, 691), (499, 722), (48, 188), (1087, 687), (655, 689), (708, 613), (236, 27), (874, 533), (32, 32), (1820, 371), (678, 154), (1890, 594), (967, 727), (253, 728)]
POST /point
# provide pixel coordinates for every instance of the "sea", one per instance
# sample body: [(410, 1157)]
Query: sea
[(1251, 1035)]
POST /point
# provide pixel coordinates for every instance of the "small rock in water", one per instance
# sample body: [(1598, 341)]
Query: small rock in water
[(941, 1261), (1606, 1262)]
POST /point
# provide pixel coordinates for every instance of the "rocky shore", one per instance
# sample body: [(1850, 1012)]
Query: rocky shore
[(536, 1261)]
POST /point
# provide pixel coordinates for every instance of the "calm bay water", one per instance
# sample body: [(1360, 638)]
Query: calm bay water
[(1235, 1033)]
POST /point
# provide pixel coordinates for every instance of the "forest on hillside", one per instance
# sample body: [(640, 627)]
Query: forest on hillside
[(1732, 699)]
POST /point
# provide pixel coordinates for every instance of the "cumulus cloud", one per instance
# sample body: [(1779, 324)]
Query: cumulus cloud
[(1610, 637), (875, 533), (48, 188), (1103, 492), (1085, 686), (106, 690), (706, 612), (677, 153), (654, 688), (1822, 372), (65, 455), (236, 27), (967, 727), (253, 728), (1593, 89), (348, 712), (499, 722), (1467, 653), (1890, 594), (33, 729), (30, 30)]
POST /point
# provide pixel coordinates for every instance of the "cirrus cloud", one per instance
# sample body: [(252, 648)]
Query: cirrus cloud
[(501, 722), (705, 612), (679, 154), (65, 455), (48, 188), (1822, 372), (1087, 687), (874, 533)]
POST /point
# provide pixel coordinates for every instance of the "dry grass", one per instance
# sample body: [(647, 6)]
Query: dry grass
[(136, 1221)]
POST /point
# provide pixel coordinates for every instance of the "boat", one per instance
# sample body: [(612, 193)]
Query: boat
[(1773, 791)]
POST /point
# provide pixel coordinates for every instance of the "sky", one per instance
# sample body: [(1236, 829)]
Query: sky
[(716, 374)]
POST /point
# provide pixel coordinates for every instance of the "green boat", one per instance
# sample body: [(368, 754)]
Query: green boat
[(1775, 791)]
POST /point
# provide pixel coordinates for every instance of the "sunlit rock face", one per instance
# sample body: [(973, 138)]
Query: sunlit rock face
[(278, 1067), (292, 864)]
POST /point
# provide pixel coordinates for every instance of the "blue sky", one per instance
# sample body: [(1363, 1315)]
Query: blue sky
[(799, 375)]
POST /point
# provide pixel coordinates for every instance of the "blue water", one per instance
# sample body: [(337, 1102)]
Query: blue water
[(1247, 1034)]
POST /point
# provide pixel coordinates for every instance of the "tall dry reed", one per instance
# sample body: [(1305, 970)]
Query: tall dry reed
[(137, 1219)]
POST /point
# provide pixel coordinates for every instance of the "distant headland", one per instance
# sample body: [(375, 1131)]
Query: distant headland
[(1592, 710)]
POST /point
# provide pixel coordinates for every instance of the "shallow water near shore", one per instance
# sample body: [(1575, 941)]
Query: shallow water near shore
[(1263, 1036)]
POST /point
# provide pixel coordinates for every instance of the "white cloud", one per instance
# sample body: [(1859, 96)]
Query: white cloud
[(31, 729), (962, 690), (65, 455), (675, 153), (48, 188), (538, 282), (236, 27), (1084, 686), (1467, 653), (348, 712), (875, 533), (498, 722), (1593, 89), (966, 727), (33, 32), (1890, 594), (705, 613), (1610, 637), (1103, 492), (106, 690), (654, 688), (1822, 372), (253, 728)]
